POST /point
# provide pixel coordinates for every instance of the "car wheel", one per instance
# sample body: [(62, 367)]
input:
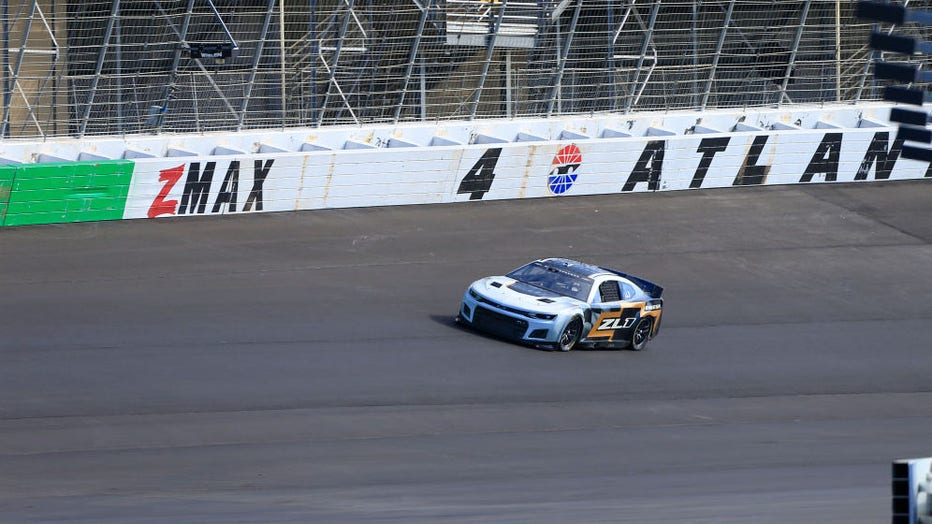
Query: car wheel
[(570, 335), (641, 334)]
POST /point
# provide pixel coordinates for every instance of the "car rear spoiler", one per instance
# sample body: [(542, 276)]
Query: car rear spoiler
[(652, 290)]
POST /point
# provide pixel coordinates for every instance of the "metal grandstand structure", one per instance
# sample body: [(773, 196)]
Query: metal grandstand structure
[(85, 68)]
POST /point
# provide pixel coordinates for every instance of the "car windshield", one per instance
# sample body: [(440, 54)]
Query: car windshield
[(553, 279)]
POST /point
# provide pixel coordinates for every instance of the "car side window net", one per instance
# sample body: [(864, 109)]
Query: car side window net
[(609, 291)]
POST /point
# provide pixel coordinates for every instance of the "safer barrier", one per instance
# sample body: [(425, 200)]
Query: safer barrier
[(422, 165)]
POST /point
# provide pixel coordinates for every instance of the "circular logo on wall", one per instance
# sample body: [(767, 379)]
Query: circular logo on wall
[(563, 173)]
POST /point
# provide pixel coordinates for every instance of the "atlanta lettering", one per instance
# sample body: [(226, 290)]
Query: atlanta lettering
[(824, 163), (199, 196)]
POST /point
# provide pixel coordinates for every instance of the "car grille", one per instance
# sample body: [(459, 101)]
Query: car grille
[(498, 324), (503, 307)]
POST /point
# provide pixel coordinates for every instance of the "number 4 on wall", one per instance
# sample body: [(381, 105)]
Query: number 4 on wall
[(479, 179)]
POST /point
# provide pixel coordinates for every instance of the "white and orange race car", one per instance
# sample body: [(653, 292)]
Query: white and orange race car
[(563, 304)]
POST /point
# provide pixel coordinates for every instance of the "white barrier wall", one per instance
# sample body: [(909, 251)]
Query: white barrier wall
[(379, 176), (258, 171)]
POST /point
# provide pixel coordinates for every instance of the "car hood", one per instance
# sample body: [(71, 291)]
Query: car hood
[(510, 292)]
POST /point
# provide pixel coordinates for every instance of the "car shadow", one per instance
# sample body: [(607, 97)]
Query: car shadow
[(450, 321)]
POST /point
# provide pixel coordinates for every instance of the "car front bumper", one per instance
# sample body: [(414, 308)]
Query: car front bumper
[(489, 317)]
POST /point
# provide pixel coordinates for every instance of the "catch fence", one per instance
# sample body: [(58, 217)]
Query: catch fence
[(83, 67)]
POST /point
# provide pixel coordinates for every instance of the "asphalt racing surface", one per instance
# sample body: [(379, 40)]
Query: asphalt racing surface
[(304, 367)]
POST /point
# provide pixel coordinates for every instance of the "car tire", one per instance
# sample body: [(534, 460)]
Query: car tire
[(641, 334), (570, 335)]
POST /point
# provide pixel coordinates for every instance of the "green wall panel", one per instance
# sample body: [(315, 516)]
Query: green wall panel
[(6, 184), (65, 192)]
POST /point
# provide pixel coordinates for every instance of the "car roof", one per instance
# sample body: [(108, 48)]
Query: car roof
[(573, 267)]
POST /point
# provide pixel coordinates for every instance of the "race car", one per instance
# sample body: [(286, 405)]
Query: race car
[(563, 304)]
